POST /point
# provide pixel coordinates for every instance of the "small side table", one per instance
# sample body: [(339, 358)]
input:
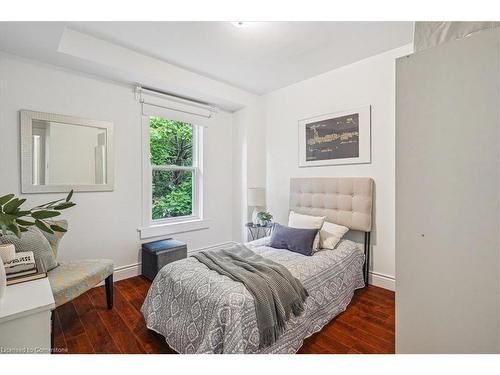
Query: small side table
[(256, 231), (25, 313)]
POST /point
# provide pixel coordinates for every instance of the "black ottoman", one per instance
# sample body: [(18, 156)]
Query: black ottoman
[(157, 254)]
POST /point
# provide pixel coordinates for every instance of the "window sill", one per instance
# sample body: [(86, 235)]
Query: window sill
[(172, 228)]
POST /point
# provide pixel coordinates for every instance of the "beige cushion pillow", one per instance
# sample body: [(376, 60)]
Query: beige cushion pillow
[(330, 235), (296, 220)]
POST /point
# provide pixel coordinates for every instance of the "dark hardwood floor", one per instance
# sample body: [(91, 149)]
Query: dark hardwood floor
[(86, 326)]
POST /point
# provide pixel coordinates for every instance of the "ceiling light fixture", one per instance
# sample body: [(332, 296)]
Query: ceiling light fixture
[(239, 24)]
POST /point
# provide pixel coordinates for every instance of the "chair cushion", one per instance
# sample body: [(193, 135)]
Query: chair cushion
[(71, 279)]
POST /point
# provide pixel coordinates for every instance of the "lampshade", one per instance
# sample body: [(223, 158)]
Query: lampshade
[(256, 197)]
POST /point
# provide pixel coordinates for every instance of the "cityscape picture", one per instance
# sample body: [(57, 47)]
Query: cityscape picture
[(334, 138)]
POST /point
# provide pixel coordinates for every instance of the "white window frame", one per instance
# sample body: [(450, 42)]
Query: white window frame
[(166, 226)]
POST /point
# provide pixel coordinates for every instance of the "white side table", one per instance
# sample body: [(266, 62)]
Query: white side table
[(25, 313)]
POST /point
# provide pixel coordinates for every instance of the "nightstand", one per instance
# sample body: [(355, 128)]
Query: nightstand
[(256, 231), (25, 313)]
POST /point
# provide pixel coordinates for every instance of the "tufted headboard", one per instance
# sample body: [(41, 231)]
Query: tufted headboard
[(345, 201)]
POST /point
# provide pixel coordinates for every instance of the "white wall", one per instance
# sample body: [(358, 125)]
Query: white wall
[(104, 224), (370, 81), (447, 198), (249, 153), (239, 175)]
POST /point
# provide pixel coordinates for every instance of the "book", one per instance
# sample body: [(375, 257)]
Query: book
[(39, 274), (23, 261), (21, 273)]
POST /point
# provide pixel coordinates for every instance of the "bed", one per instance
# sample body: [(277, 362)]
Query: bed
[(198, 310)]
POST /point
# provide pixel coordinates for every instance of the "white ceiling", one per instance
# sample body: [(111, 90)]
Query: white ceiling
[(260, 57)]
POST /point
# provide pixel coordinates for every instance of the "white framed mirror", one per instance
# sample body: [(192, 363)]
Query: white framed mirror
[(60, 153)]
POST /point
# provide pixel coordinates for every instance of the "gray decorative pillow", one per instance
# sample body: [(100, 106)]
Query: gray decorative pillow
[(33, 240), (297, 240)]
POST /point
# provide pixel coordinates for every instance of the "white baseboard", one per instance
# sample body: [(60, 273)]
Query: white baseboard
[(125, 272), (381, 280)]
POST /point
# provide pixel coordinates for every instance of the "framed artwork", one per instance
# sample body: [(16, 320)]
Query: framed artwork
[(337, 138)]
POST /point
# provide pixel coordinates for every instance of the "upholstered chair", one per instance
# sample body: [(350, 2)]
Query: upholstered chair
[(70, 279)]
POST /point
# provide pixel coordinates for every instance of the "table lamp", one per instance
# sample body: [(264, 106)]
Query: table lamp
[(256, 198)]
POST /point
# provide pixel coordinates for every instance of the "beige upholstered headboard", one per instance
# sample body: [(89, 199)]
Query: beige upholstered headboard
[(345, 201)]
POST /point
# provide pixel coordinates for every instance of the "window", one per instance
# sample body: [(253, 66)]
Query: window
[(172, 163), (175, 170)]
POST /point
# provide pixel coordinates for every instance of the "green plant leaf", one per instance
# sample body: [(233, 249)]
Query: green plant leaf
[(14, 229), (264, 216), (42, 226), (21, 213), (45, 205), (5, 198), (40, 215), (24, 222), (63, 206), (70, 195), (13, 205), (57, 228), (6, 219), (11, 214)]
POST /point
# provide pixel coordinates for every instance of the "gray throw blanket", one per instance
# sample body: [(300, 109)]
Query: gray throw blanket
[(276, 293)]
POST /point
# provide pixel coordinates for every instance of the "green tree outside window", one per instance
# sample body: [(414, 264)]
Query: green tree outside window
[(171, 146)]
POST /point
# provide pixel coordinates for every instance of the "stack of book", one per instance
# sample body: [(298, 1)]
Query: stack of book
[(24, 267)]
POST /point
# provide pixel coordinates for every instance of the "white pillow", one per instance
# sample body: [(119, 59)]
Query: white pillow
[(296, 220), (330, 235)]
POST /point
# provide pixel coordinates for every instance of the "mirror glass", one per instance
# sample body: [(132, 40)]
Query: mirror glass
[(68, 154), (60, 153)]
